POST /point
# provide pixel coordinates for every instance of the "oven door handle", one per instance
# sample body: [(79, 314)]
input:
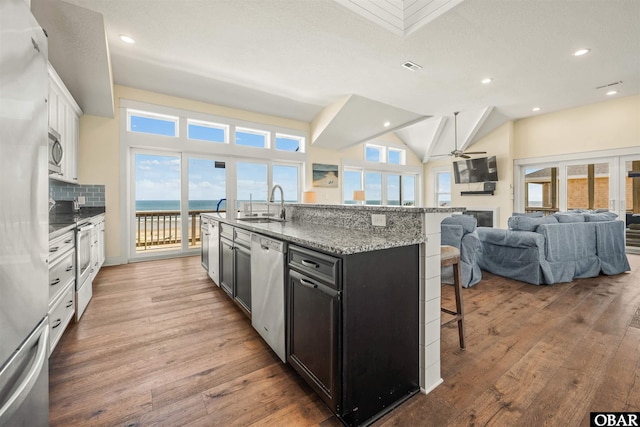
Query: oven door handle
[(85, 227)]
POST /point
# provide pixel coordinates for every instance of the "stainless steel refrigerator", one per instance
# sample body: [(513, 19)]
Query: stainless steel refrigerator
[(24, 328)]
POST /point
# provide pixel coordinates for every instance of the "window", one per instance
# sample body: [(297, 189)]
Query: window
[(397, 157), (352, 181), (252, 138), (156, 124), (541, 188), (205, 131), (373, 188), (289, 143), (252, 182), (443, 189), (408, 197), (287, 178), (374, 153), (393, 190)]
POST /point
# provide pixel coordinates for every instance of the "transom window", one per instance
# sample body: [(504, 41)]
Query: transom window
[(252, 138), (382, 154), (152, 123), (206, 131), (289, 143)]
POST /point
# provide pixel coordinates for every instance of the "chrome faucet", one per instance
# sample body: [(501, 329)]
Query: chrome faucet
[(271, 200)]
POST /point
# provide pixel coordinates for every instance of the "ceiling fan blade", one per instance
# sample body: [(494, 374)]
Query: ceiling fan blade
[(464, 156), (440, 155), (475, 152)]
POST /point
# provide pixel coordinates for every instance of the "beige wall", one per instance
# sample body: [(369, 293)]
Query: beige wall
[(498, 143), (605, 125), (99, 154)]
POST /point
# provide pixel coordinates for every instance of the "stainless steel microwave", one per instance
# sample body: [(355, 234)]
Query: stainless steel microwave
[(55, 152)]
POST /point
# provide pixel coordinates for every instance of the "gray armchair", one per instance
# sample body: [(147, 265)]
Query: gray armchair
[(460, 231)]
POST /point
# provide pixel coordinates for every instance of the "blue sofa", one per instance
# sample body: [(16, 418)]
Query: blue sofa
[(556, 248), (460, 231)]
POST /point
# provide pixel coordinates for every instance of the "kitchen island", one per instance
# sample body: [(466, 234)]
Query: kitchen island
[(381, 304)]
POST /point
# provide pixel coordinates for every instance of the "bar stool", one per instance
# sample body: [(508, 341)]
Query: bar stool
[(450, 256)]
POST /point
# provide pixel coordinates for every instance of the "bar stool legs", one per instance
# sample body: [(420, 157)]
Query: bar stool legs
[(450, 256)]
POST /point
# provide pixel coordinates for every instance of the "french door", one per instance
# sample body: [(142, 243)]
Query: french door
[(169, 191), (611, 183)]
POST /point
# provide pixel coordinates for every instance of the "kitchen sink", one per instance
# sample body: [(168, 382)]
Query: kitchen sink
[(260, 219)]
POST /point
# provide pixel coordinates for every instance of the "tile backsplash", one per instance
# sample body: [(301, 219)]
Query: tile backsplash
[(93, 194)]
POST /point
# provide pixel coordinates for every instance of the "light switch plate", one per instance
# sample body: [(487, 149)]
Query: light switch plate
[(81, 200), (379, 220)]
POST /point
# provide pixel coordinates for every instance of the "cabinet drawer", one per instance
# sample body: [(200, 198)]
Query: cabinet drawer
[(226, 231), (61, 272), (320, 266), (60, 245), (243, 237), (59, 316)]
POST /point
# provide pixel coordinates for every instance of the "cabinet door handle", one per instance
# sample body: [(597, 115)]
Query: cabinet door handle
[(307, 263), (54, 249), (54, 282), (70, 303), (308, 283), (56, 323), (68, 241), (69, 268)]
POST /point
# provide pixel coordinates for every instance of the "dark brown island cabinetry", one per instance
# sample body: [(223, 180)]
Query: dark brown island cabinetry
[(353, 328), (235, 265)]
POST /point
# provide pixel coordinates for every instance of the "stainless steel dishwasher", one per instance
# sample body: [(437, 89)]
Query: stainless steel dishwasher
[(267, 291)]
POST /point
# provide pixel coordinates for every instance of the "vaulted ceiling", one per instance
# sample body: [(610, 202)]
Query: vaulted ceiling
[(300, 59)]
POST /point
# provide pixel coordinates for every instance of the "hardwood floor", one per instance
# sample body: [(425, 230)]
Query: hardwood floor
[(160, 344)]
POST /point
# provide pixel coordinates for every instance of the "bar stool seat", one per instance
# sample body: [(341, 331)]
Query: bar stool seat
[(450, 255)]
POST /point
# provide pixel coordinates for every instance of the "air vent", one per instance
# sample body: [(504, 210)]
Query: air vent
[(409, 65), (609, 85)]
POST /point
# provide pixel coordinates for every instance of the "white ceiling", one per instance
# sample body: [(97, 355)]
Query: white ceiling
[(295, 58)]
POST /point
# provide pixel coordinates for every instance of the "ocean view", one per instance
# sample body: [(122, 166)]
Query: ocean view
[(174, 205)]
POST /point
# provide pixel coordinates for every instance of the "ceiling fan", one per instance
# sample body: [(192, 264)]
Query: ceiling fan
[(459, 153)]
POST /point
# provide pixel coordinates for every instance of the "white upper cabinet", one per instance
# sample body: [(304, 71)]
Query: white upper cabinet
[(64, 118)]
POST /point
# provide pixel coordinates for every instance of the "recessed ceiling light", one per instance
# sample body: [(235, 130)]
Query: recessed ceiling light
[(612, 92), (581, 52), (535, 109), (127, 39), (487, 80), (386, 124)]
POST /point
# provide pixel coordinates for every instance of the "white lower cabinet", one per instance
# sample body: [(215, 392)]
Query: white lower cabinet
[(60, 314)]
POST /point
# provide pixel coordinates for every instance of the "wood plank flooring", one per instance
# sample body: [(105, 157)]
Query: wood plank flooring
[(160, 344)]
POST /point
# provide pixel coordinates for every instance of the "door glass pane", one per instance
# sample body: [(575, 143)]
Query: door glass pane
[(352, 182), (207, 186), (588, 186), (373, 188), (409, 190), (157, 203), (541, 189), (632, 206), (252, 182), (393, 190), (287, 178)]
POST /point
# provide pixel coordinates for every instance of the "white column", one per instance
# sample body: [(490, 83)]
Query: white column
[(430, 303)]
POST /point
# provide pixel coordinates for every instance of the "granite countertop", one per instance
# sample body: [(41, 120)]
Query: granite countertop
[(327, 238), (60, 223)]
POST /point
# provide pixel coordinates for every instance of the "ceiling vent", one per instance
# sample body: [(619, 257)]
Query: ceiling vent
[(609, 85), (411, 66)]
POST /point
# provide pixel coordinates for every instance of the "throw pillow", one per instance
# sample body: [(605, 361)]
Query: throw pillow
[(601, 216), (564, 217), (467, 222), (526, 223)]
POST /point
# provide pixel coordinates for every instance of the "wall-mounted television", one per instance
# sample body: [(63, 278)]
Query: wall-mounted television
[(481, 169)]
